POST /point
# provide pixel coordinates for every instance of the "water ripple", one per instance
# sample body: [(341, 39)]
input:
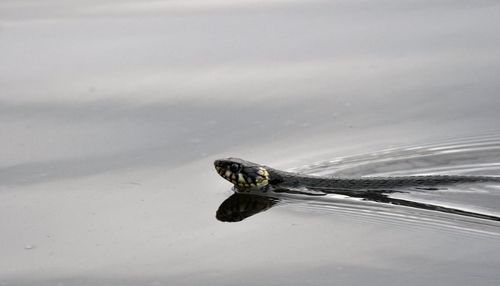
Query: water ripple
[(467, 156)]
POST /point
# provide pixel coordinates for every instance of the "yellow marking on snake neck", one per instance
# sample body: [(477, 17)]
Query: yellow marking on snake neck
[(241, 179), (263, 179)]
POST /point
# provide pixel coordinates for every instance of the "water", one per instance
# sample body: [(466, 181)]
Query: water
[(111, 114)]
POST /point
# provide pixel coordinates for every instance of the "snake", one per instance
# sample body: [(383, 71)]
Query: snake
[(246, 175)]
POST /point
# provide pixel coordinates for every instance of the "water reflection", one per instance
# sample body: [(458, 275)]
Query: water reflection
[(240, 206)]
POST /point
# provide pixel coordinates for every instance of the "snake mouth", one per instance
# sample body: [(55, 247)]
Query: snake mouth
[(241, 173), (227, 174), (224, 169)]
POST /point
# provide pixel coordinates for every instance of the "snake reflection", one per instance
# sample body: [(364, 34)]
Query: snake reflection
[(240, 206)]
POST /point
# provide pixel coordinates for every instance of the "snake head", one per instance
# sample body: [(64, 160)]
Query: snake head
[(241, 173)]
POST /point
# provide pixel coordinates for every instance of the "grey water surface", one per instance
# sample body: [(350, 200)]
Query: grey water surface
[(112, 113)]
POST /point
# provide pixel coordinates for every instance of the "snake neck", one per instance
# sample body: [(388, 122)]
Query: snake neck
[(282, 179)]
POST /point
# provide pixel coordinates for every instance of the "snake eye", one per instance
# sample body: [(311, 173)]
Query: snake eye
[(234, 168)]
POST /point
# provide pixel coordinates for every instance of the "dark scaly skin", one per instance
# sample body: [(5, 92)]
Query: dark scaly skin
[(283, 179)]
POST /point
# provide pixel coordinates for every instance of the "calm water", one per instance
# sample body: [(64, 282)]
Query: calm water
[(112, 112)]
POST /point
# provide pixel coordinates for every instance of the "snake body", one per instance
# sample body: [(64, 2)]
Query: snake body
[(294, 180), (244, 175)]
